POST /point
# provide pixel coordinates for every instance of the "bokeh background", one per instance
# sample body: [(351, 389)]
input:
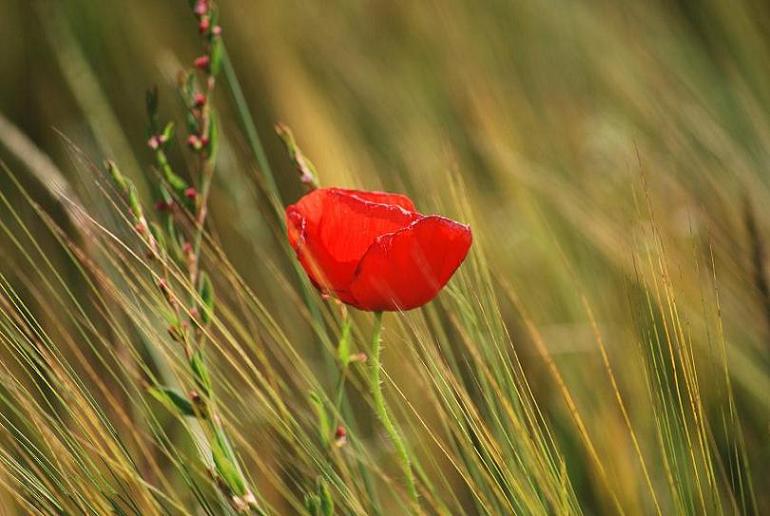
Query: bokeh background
[(607, 154)]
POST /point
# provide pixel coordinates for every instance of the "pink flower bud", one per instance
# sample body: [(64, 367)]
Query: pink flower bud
[(217, 30), (201, 7), (358, 357), (194, 141), (202, 63), (204, 24), (191, 193), (187, 248), (199, 99), (153, 142)]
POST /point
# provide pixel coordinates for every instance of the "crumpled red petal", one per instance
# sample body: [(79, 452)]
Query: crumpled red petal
[(380, 197), (408, 268), (332, 228)]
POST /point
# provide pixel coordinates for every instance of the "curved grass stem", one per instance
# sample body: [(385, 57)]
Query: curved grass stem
[(381, 409)]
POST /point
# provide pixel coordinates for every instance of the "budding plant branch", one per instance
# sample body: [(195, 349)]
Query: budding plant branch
[(183, 209)]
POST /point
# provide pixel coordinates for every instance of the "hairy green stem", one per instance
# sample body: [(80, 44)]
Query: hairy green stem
[(381, 409)]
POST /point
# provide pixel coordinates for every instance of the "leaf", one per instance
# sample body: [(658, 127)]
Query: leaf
[(157, 234), (117, 177), (192, 123), (168, 132), (343, 347), (216, 55), (303, 165), (213, 146), (206, 293), (176, 182), (175, 247), (324, 424), (224, 460), (133, 201), (202, 378), (227, 470), (173, 400), (327, 504), (151, 102), (313, 504)]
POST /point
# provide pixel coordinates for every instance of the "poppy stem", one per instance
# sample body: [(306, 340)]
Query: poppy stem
[(381, 410)]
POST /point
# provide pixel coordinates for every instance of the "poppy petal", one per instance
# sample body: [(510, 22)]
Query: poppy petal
[(382, 197), (331, 229), (407, 268)]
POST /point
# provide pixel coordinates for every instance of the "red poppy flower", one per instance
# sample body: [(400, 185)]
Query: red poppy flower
[(373, 250)]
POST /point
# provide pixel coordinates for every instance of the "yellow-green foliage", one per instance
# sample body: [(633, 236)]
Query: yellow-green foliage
[(604, 349)]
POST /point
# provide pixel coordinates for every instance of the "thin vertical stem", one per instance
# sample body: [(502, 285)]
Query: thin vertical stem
[(383, 415)]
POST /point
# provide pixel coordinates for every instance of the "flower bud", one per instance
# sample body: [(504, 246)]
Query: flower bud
[(163, 206), (191, 193), (204, 24), (199, 99), (194, 142), (358, 357), (202, 63), (201, 7), (340, 436)]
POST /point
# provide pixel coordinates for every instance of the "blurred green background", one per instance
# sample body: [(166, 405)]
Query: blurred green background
[(601, 150)]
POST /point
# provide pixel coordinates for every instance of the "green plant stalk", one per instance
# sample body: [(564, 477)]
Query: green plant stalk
[(251, 131), (381, 409), (274, 195)]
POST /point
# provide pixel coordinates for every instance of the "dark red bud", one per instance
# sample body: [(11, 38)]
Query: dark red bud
[(204, 24), (199, 99), (191, 193), (340, 436), (202, 63)]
